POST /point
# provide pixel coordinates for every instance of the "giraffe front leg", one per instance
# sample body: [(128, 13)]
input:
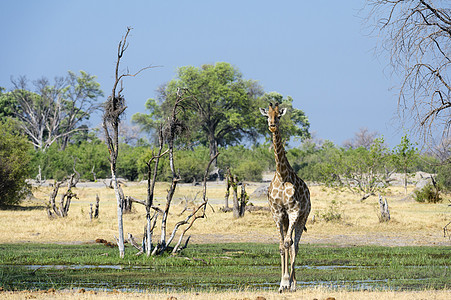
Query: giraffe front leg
[(284, 257)]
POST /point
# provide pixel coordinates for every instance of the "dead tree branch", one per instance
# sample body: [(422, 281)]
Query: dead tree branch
[(113, 110)]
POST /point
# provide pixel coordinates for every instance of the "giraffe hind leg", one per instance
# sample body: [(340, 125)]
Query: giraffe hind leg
[(300, 227)]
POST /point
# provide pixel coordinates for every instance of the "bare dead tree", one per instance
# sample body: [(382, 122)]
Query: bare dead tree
[(173, 126), (54, 111), (385, 213), (194, 214), (62, 210), (362, 138), (417, 36), (113, 109), (151, 179)]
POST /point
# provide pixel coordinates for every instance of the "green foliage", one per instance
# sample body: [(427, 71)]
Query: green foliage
[(308, 161), (428, 194), (247, 164), (191, 164), (57, 164), (14, 169), (127, 162), (404, 156), (7, 105), (221, 108), (358, 169), (294, 124), (444, 176), (332, 214)]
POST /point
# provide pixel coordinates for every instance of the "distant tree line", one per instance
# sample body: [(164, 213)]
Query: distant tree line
[(322, 162)]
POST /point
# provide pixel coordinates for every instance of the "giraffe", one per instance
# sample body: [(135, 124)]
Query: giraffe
[(289, 200)]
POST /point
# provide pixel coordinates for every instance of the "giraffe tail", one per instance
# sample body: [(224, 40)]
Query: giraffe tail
[(305, 229)]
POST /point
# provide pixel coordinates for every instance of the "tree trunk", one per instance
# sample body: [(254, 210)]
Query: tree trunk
[(405, 180), (243, 200), (385, 213), (96, 211), (236, 208), (213, 145), (227, 194), (120, 224)]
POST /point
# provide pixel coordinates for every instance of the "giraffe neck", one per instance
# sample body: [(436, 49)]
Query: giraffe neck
[(282, 165)]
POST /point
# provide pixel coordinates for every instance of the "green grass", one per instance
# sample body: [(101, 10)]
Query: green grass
[(222, 266)]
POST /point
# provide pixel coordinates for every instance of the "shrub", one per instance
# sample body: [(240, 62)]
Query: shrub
[(332, 214), (428, 194), (444, 176), (249, 170), (14, 159)]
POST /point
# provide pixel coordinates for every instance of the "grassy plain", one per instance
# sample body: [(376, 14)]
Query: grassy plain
[(411, 224)]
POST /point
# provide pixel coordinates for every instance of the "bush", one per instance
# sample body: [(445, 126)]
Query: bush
[(332, 214), (427, 194), (249, 170), (247, 164), (444, 176), (14, 159), (57, 164)]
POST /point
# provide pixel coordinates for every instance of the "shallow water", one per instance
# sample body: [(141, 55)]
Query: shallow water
[(140, 287)]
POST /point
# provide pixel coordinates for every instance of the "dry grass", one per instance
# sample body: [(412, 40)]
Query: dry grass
[(313, 293), (412, 223)]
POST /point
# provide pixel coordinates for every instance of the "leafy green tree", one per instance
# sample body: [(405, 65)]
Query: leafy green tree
[(218, 112), (404, 156), (359, 170), (295, 124), (14, 158), (221, 108), (52, 112), (6, 105)]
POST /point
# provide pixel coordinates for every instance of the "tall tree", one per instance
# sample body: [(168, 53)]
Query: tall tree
[(404, 156), (55, 111), (417, 36), (222, 109), (295, 124)]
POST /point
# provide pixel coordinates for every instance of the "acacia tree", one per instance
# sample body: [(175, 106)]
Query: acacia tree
[(417, 36), (359, 170), (223, 109), (53, 111)]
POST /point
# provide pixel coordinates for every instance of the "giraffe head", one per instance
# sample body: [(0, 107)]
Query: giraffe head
[(273, 114)]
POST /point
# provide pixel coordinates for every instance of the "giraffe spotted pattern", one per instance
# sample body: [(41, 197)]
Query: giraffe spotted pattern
[(289, 200)]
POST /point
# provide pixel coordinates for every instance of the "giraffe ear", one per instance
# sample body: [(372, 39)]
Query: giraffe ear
[(282, 111), (263, 112)]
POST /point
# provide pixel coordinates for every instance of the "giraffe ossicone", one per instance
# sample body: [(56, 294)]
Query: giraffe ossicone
[(289, 200)]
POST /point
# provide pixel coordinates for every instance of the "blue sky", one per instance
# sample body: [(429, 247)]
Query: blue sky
[(314, 51)]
